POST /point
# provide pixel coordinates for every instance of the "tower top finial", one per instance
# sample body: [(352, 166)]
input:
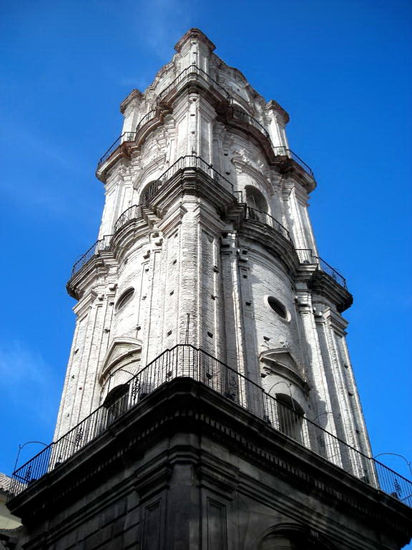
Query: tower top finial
[(194, 33)]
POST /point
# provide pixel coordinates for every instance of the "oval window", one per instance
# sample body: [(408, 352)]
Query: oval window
[(278, 307), (124, 298)]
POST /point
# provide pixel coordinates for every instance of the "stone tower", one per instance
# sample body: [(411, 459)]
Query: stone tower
[(209, 399)]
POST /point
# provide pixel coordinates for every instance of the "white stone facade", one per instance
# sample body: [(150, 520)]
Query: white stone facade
[(181, 259)]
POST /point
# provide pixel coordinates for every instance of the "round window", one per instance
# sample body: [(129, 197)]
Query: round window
[(278, 307)]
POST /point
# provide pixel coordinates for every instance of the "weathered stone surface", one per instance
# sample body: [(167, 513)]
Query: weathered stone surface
[(206, 240), (189, 469)]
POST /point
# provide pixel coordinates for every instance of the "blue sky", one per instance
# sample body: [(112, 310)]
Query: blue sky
[(340, 68)]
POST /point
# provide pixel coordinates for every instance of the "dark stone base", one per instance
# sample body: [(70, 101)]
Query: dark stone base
[(189, 469)]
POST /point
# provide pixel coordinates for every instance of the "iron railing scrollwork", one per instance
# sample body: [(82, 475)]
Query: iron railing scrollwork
[(306, 256), (187, 361), (237, 113), (98, 246), (267, 219), (243, 116), (132, 213), (148, 116), (282, 151), (126, 136)]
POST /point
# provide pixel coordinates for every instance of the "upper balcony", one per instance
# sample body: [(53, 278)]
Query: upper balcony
[(194, 76), (307, 257), (285, 427), (220, 191), (325, 279)]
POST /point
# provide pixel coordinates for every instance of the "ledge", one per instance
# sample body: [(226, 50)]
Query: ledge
[(174, 419), (326, 286)]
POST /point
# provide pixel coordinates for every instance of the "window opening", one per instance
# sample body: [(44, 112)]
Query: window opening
[(290, 416), (116, 402), (124, 298), (278, 307)]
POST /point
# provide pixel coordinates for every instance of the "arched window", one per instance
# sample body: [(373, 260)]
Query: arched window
[(148, 192), (290, 416), (293, 537), (255, 199), (278, 542), (124, 298), (116, 402)]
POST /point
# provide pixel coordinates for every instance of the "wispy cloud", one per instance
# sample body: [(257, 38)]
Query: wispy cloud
[(18, 133), (164, 21), (27, 380), (159, 24)]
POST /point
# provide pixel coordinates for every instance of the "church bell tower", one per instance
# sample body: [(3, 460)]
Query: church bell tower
[(209, 399)]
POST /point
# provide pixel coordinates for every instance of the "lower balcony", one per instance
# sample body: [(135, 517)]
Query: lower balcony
[(187, 362)]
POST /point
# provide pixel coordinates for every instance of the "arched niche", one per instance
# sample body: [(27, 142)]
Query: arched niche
[(288, 418), (116, 402), (290, 536), (255, 199), (148, 192), (283, 380), (121, 362), (279, 365)]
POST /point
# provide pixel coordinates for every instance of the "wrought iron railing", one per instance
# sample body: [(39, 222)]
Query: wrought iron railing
[(185, 74), (148, 116), (240, 114), (126, 136), (282, 151), (267, 219), (306, 256), (134, 212), (98, 246), (196, 162), (186, 361)]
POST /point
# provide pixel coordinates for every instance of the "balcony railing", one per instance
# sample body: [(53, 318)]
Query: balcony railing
[(306, 256), (238, 114), (132, 213), (196, 162), (126, 136), (243, 116), (267, 219), (186, 361), (144, 120), (98, 246), (285, 152), (193, 70), (135, 211)]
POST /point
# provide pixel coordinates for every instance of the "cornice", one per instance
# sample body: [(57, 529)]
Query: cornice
[(171, 416), (191, 181), (94, 269), (272, 241), (134, 94), (195, 34), (274, 105), (323, 284)]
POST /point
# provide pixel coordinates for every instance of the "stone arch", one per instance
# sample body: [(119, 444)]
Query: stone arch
[(289, 416), (148, 192), (121, 362), (116, 402), (255, 199), (291, 536), (283, 379), (251, 169)]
